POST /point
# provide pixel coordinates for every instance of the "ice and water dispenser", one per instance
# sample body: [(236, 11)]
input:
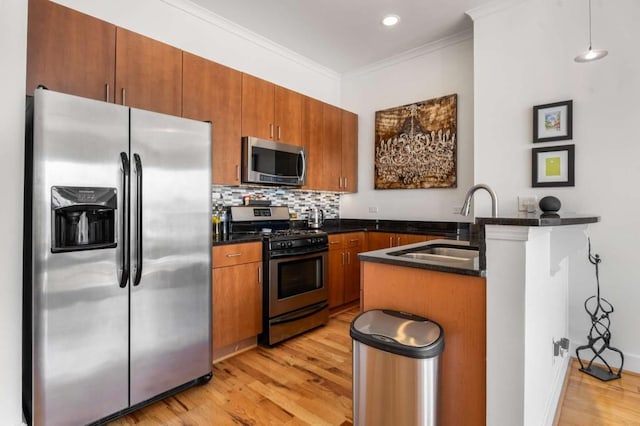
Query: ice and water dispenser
[(83, 218)]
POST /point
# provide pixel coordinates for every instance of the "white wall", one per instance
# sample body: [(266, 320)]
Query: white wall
[(13, 21), (439, 71), (182, 24), (524, 57)]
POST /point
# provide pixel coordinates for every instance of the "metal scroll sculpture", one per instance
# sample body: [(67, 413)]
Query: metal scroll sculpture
[(599, 337)]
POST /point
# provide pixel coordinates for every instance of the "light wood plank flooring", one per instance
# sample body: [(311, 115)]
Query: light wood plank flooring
[(307, 381), (589, 401)]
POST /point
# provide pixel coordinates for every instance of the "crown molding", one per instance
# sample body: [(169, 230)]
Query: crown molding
[(224, 24), (491, 8), (412, 53)]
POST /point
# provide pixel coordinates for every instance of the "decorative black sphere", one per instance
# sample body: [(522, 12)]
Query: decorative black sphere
[(549, 204)]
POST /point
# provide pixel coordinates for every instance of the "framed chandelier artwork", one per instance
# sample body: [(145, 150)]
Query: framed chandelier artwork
[(416, 145)]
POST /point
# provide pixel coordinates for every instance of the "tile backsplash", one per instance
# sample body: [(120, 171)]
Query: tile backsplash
[(299, 201)]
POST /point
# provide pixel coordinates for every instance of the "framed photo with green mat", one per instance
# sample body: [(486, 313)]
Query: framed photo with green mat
[(553, 166)]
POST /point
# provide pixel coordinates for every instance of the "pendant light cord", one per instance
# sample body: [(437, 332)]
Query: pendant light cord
[(589, 24)]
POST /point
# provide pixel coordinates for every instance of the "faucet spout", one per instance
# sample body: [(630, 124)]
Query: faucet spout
[(468, 198)]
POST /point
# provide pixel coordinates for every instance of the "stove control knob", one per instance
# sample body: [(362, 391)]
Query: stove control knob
[(289, 243), (282, 244)]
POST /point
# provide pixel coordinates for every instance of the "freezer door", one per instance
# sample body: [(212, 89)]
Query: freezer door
[(79, 311), (170, 252)]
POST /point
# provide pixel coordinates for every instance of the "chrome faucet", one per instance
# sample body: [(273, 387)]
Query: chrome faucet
[(467, 201)]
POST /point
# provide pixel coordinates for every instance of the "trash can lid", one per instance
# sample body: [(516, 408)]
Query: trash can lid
[(399, 333)]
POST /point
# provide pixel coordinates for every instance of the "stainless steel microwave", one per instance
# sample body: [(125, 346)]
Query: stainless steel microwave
[(274, 163)]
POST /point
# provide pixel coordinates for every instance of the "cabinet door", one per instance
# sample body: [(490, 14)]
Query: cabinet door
[(331, 148), (69, 52), (237, 303), (349, 151), (148, 74), (257, 107), (402, 239), (288, 116), (380, 240), (354, 243), (312, 141), (213, 92), (335, 285)]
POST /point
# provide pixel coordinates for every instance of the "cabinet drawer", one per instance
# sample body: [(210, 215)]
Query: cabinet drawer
[(354, 240), (236, 254), (336, 242)]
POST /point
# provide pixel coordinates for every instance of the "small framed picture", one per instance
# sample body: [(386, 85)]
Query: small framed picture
[(553, 122), (552, 166)]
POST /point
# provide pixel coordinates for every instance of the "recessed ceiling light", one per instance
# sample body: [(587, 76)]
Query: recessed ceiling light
[(390, 20)]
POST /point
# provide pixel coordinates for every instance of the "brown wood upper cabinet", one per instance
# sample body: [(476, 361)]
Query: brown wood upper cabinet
[(270, 111), (74, 53), (213, 92), (349, 169), (330, 136), (70, 52), (312, 141), (148, 73)]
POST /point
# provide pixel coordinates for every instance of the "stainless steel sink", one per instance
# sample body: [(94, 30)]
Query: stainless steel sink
[(441, 253)]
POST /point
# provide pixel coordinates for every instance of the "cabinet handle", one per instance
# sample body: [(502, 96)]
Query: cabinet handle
[(271, 130), (345, 182), (107, 92), (124, 96), (237, 172), (234, 254), (353, 240), (334, 242), (279, 133), (348, 258), (260, 275), (342, 257), (390, 241), (340, 182), (398, 240)]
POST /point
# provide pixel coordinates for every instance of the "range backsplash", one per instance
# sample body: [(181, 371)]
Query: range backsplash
[(299, 201)]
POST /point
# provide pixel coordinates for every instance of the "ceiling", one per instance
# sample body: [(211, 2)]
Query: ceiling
[(344, 35)]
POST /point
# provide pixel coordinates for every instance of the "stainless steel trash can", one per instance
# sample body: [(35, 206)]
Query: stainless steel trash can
[(395, 368)]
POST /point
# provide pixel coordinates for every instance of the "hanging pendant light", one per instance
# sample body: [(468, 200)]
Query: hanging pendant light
[(591, 54)]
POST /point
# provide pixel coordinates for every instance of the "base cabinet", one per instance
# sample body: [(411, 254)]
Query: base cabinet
[(344, 268), (237, 294), (458, 304), (381, 240)]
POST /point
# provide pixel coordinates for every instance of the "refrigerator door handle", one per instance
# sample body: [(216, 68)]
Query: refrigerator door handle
[(138, 170), (124, 260)]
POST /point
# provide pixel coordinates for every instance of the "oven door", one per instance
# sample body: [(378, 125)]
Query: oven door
[(297, 281)]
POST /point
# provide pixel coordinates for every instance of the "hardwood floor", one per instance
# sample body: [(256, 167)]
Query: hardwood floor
[(307, 381), (589, 401)]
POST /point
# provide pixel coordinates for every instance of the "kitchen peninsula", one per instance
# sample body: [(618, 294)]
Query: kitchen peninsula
[(507, 311)]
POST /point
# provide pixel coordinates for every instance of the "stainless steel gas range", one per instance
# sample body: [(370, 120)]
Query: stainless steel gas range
[(295, 272)]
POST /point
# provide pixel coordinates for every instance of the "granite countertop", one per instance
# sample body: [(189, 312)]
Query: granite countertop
[(538, 219), (471, 267), (450, 230)]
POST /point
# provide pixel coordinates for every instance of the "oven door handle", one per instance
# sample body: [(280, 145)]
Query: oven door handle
[(300, 314), (278, 255)]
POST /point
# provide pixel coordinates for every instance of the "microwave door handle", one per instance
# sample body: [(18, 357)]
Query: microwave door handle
[(138, 169), (124, 241), (304, 166)]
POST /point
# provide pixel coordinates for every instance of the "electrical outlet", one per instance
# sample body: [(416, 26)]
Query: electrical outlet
[(373, 209), (527, 203)]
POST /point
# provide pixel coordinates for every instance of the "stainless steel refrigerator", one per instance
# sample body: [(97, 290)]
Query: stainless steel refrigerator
[(117, 269)]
